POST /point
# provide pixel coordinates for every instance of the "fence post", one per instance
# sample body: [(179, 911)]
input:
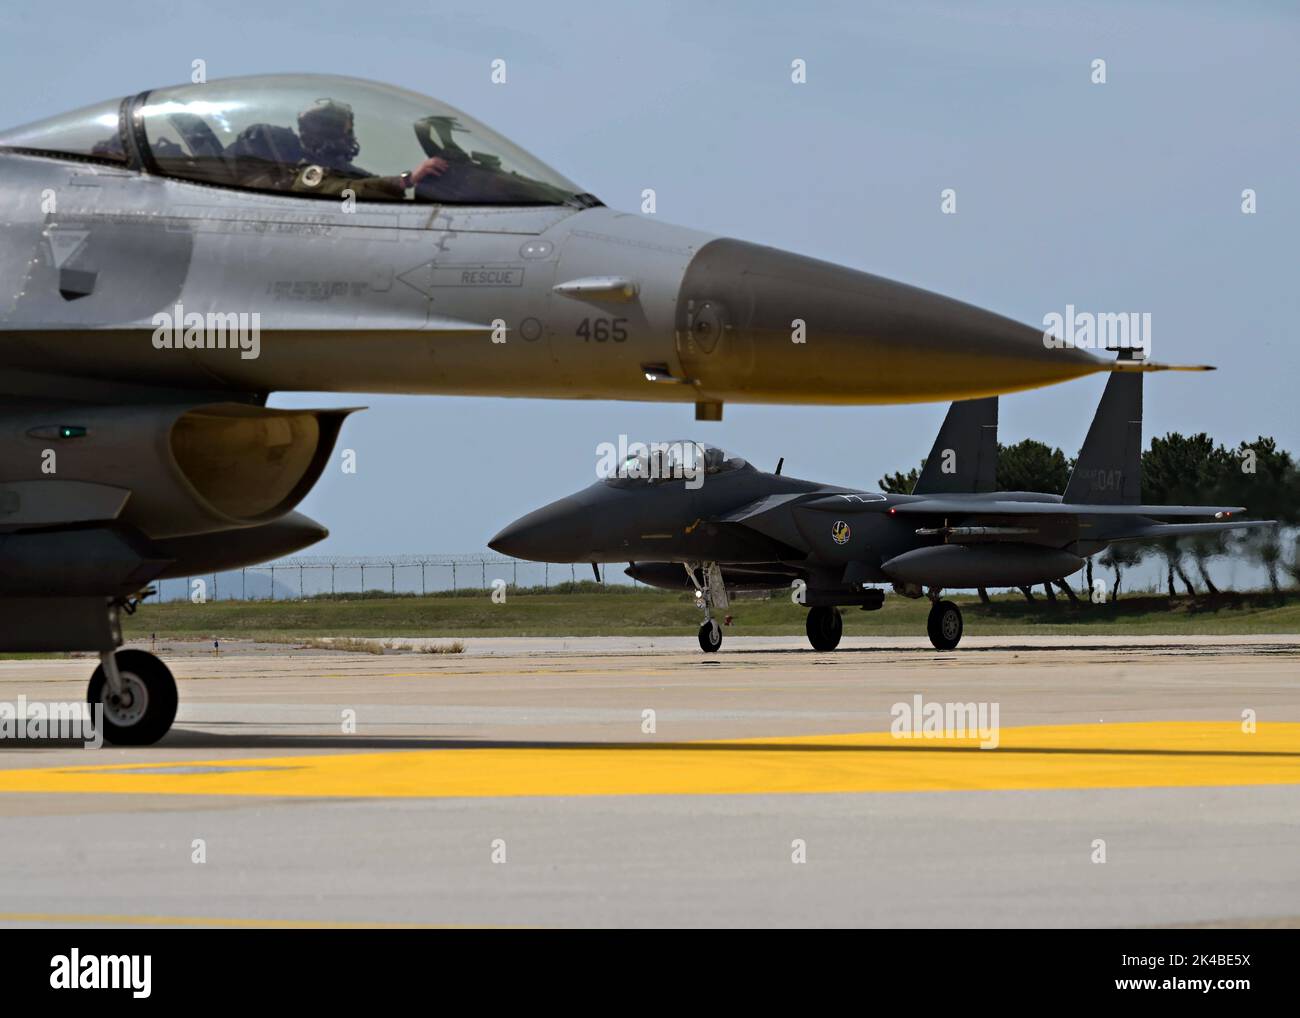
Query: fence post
[(272, 581), (453, 577), (423, 591), (243, 584), (392, 576), (546, 576)]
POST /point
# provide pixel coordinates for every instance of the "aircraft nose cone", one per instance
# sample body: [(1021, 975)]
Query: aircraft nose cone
[(559, 532), (784, 327)]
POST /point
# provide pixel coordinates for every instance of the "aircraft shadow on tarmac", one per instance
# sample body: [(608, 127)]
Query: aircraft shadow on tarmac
[(1203, 650), (180, 738)]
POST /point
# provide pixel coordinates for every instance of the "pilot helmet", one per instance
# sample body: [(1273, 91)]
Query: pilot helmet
[(325, 129)]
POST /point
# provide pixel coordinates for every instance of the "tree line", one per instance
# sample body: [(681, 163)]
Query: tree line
[(1176, 470)]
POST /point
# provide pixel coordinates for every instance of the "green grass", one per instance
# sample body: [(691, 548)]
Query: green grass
[(624, 611)]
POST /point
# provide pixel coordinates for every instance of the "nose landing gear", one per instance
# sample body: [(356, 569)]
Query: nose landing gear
[(710, 636), (710, 593), (138, 694)]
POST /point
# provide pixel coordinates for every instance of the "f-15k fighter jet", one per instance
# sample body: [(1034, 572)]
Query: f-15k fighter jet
[(171, 258), (686, 515)]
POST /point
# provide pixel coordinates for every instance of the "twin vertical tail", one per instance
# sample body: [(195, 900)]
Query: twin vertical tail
[(964, 457), (965, 453)]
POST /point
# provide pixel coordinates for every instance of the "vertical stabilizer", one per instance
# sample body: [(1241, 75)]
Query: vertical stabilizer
[(965, 453), (1109, 468)]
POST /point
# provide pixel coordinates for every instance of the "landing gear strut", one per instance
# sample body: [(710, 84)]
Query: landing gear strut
[(138, 695), (710, 593), (944, 624), (825, 627)]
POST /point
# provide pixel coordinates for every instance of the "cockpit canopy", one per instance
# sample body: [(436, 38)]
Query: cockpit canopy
[(678, 460), (307, 135)]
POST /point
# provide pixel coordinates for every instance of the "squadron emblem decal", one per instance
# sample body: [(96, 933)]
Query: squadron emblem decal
[(840, 533)]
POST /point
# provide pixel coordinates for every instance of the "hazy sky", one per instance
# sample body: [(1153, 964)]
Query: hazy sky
[(1119, 197)]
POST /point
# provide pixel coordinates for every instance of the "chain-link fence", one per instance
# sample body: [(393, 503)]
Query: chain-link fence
[(391, 575), (373, 575)]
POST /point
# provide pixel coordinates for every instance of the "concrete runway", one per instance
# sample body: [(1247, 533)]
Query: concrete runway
[(517, 784)]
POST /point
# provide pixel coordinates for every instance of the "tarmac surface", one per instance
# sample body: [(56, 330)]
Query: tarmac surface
[(545, 782)]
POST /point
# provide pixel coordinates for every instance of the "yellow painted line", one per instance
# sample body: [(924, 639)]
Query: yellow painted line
[(1136, 755), (77, 919)]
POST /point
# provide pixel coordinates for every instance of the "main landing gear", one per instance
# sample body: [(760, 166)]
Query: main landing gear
[(710, 594), (825, 627), (138, 695), (944, 624)]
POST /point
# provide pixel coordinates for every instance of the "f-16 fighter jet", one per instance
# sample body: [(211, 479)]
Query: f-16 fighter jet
[(169, 259), (686, 515)]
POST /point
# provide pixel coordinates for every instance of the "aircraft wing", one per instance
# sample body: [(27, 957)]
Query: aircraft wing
[(983, 507)]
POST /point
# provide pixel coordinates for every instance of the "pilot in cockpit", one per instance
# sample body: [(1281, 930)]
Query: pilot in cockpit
[(329, 145)]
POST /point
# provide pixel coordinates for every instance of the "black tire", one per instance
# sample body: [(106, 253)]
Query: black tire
[(710, 636), (133, 722), (825, 627), (945, 626)]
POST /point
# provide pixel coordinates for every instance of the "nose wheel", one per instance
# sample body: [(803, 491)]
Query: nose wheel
[(138, 694), (825, 627), (944, 625), (710, 636)]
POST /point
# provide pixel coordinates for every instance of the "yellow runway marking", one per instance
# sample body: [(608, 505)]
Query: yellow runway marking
[(1046, 757)]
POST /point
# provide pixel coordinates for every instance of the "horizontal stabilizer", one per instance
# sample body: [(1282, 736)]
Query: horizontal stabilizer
[(1159, 530)]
